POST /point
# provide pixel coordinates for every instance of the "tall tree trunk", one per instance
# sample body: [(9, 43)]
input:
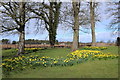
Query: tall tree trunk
[(21, 28), (92, 15), (51, 34), (53, 21), (75, 43), (21, 44)]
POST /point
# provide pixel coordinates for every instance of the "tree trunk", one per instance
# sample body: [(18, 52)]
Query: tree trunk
[(75, 40), (21, 43), (53, 22), (92, 23), (21, 28), (52, 39), (75, 43)]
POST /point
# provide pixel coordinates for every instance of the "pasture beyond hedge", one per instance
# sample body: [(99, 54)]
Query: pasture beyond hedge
[(58, 59)]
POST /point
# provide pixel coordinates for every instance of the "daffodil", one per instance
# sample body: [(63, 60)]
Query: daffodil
[(55, 61), (3, 64)]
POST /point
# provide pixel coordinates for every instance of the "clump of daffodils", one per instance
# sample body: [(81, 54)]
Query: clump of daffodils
[(31, 48), (94, 48), (91, 54)]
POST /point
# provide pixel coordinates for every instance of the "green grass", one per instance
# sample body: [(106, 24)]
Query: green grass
[(110, 49), (56, 52), (61, 52), (89, 69), (9, 52)]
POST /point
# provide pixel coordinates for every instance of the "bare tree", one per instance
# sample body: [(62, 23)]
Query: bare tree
[(76, 7), (93, 17), (92, 21), (113, 10), (49, 13), (14, 18)]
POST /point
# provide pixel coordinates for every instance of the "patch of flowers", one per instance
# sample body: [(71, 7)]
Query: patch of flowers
[(91, 54), (23, 62), (29, 50), (94, 48), (32, 61)]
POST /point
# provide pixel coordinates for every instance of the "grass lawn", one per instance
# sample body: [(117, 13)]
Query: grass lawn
[(9, 52), (110, 49), (56, 52), (90, 69)]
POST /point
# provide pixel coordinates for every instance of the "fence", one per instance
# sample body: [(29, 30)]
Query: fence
[(60, 46)]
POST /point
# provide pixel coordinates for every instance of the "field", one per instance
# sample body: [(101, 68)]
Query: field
[(98, 68)]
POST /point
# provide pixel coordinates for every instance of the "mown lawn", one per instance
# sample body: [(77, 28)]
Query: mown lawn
[(56, 52), (110, 49), (90, 69)]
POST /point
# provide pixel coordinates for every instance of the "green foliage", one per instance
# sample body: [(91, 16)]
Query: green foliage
[(14, 42), (5, 41)]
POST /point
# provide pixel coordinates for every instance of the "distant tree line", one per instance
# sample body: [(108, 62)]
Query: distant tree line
[(36, 41), (33, 41), (28, 41), (5, 41)]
